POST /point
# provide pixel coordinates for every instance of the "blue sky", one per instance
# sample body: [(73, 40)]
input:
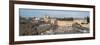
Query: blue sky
[(53, 13)]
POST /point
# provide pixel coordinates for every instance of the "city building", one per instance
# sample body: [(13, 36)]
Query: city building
[(48, 19)]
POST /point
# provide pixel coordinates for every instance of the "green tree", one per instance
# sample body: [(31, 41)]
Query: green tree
[(88, 20)]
